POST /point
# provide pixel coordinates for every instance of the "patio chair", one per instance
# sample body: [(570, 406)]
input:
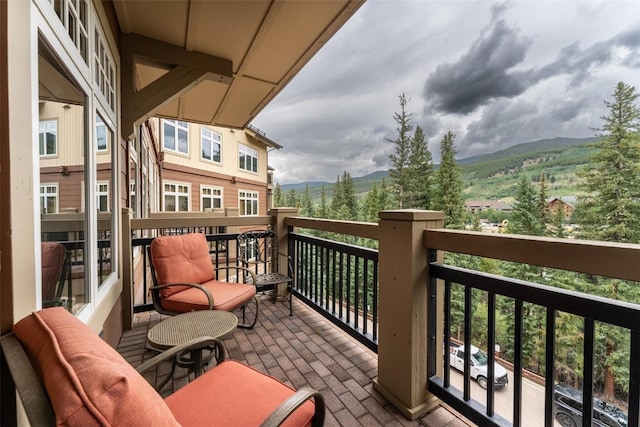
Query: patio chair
[(258, 252), (185, 280), (55, 267), (64, 374)]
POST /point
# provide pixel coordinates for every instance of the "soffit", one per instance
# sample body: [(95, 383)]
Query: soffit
[(267, 42)]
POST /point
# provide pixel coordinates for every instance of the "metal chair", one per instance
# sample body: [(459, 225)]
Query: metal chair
[(185, 280), (258, 252)]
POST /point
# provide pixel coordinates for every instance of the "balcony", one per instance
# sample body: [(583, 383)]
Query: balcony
[(394, 305)]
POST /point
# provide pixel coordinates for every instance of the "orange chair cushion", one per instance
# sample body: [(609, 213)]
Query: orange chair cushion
[(226, 296), (181, 259), (87, 381), (53, 255), (233, 394)]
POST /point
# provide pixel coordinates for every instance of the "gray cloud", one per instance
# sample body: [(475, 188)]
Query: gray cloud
[(494, 74), (484, 73)]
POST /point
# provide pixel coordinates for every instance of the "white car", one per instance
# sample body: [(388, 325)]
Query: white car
[(479, 368)]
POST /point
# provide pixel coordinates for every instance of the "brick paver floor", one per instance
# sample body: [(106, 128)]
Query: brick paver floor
[(301, 350)]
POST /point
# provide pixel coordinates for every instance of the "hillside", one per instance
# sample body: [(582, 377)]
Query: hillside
[(495, 175)]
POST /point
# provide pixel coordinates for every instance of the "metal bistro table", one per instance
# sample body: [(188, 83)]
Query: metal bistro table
[(184, 327)]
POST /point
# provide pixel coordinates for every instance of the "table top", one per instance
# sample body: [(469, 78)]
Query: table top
[(184, 327)]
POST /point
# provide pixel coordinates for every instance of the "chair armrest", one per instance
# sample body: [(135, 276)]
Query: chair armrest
[(193, 285), (238, 268), (195, 343), (289, 406)]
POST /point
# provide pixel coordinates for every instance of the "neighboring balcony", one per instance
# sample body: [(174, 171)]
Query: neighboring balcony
[(396, 303)]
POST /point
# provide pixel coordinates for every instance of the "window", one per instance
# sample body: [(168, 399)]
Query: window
[(49, 198), (248, 203), (175, 136), (74, 16), (176, 197), (211, 145), (48, 138), (102, 197), (104, 71), (248, 158), (102, 144), (211, 197)]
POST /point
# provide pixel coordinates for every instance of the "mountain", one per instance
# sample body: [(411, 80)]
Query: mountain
[(495, 175)]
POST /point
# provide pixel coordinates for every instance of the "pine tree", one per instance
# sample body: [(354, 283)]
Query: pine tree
[(323, 210), (448, 194), (525, 217), (292, 199), (278, 200), (611, 182), (611, 210), (419, 172), (543, 207), (558, 222), (400, 158), (306, 204)]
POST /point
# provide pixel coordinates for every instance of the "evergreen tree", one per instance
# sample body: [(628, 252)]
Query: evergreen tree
[(349, 196), (611, 212), (525, 217), (292, 199), (306, 204), (323, 210), (344, 204), (448, 194), (543, 207), (419, 172), (558, 222), (611, 182), (370, 206), (400, 158), (278, 199), (385, 200)]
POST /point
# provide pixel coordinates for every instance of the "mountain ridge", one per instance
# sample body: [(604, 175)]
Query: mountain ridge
[(492, 175)]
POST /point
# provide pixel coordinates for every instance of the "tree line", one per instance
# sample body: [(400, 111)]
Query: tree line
[(608, 209)]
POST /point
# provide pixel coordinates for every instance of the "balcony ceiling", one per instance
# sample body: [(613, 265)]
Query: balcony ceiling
[(259, 47)]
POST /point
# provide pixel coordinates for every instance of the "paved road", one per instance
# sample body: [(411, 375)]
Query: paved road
[(532, 398)]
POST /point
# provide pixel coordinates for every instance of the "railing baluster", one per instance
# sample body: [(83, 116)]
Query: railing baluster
[(550, 357), (587, 387), (634, 379), (491, 345), (447, 330), (467, 343), (517, 363)]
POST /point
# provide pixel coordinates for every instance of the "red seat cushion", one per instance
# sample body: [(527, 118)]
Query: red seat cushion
[(53, 255), (181, 259), (87, 381), (233, 394), (226, 296)]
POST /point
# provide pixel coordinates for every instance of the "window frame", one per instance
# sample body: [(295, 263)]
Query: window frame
[(100, 194), (211, 196), (210, 139), (178, 126), (245, 152), (245, 208), (46, 196), (176, 195), (42, 132)]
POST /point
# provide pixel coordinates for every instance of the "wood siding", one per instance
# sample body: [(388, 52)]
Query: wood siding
[(197, 178)]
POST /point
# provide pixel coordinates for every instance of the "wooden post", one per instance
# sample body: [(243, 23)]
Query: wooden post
[(403, 336)]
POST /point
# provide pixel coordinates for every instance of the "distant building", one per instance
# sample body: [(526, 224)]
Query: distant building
[(566, 203), (476, 206)]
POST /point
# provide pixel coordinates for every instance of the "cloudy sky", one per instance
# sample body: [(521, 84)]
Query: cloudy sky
[(494, 73)]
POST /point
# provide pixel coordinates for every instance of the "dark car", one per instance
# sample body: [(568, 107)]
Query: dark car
[(567, 409)]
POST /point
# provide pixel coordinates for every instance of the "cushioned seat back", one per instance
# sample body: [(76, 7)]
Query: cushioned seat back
[(87, 381), (181, 259), (53, 255)]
